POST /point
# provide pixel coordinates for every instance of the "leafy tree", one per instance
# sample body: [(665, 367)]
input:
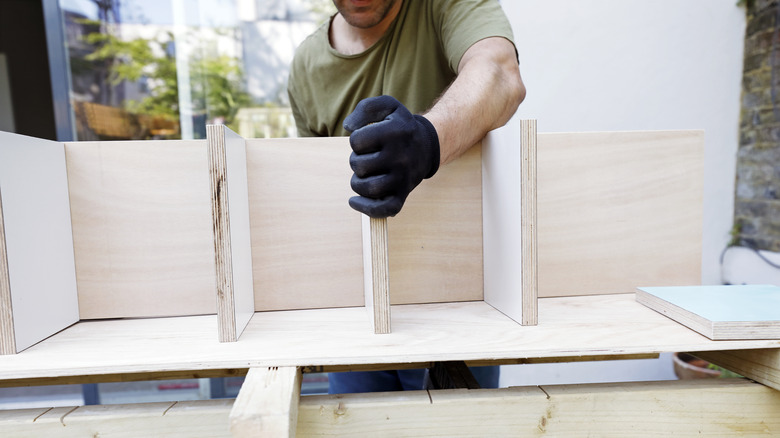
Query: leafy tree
[(217, 86), (218, 90)]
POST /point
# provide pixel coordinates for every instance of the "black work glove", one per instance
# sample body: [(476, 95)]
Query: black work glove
[(392, 152)]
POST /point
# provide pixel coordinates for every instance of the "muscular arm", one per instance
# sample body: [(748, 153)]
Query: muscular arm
[(484, 96)]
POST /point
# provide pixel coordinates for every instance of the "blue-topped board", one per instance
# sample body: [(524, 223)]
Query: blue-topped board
[(723, 312)]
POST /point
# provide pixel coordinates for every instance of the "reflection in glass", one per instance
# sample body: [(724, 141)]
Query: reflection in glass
[(163, 69)]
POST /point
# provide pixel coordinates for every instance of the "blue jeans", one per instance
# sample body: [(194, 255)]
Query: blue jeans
[(397, 380)]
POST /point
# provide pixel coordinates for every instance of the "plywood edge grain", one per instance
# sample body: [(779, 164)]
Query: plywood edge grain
[(7, 337), (510, 220), (226, 314), (528, 223), (687, 318), (231, 222), (378, 275)]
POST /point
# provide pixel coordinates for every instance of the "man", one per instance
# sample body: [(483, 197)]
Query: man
[(415, 83)]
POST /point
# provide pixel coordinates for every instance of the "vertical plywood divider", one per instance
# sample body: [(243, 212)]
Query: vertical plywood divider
[(38, 295), (528, 228), (232, 244), (376, 273), (509, 220)]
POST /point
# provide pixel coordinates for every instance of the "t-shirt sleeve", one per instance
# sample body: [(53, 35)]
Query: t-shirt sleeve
[(465, 22)]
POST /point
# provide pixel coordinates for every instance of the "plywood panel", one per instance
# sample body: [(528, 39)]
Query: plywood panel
[(143, 234), (436, 240), (619, 210), (509, 230), (142, 228), (719, 312), (38, 278), (599, 325), (312, 234), (306, 240)]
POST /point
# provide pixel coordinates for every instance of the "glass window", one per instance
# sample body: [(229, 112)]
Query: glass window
[(163, 69)]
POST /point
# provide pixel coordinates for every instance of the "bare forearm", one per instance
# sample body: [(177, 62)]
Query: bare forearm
[(483, 97)]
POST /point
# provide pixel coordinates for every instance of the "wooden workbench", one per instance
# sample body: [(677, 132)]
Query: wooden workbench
[(570, 329)]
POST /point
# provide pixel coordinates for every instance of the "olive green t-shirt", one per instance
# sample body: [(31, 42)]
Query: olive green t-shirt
[(414, 62)]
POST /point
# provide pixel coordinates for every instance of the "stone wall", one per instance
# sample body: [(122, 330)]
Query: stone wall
[(757, 198)]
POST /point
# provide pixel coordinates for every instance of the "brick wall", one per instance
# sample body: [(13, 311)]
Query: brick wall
[(757, 198)]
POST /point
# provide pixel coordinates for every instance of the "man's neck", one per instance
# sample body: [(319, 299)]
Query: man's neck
[(351, 40)]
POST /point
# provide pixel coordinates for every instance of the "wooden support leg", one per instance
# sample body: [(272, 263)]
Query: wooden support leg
[(450, 375), (376, 273), (762, 365), (267, 404)]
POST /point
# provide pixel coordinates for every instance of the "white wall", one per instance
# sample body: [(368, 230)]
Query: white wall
[(605, 65), (593, 65)]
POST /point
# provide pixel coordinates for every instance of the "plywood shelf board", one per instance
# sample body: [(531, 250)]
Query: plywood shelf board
[(719, 312), (471, 331)]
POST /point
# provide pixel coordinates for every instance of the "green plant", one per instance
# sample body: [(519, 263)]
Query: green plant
[(747, 3), (216, 81), (724, 373), (735, 233)]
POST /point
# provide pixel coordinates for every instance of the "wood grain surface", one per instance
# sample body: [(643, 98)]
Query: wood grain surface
[(599, 325), (619, 210), (142, 229)]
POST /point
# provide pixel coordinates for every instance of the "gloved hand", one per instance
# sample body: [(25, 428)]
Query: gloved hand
[(392, 152)]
